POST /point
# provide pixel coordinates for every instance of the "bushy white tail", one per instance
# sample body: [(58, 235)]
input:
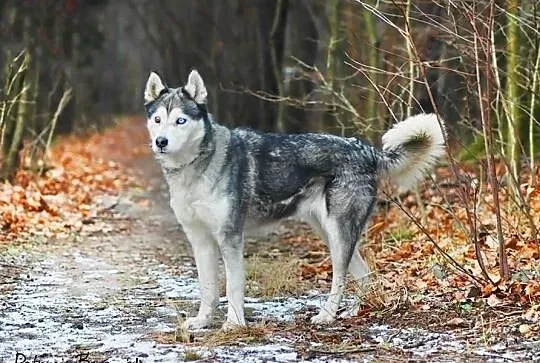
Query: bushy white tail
[(412, 147)]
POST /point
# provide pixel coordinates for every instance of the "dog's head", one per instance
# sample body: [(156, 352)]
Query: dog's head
[(176, 118)]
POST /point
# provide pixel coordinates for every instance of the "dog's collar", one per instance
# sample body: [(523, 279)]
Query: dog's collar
[(198, 160), (177, 170), (174, 171)]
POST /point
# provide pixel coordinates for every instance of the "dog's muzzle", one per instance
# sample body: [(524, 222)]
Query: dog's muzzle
[(161, 143)]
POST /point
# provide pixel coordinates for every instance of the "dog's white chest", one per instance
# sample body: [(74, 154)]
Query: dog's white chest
[(199, 204)]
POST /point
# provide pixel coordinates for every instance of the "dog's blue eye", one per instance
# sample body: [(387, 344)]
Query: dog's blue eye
[(181, 120)]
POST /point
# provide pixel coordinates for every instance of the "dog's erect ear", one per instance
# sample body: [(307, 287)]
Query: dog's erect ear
[(196, 88), (154, 87)]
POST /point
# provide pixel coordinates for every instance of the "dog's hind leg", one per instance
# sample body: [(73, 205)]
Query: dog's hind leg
[(232, 251), (341, 243), (358, 267), (205, 250), (342, 231)]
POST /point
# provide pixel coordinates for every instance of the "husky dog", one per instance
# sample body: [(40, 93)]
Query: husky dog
[(225, 184)]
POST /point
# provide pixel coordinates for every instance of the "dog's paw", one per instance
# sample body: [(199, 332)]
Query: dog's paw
[(232, 325), (196, 323), (323, 318)]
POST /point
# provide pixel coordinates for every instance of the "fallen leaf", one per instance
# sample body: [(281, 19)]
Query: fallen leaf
[(457, 322), (493, 300)]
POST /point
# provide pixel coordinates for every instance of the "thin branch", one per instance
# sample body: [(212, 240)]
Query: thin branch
[(66, 97)]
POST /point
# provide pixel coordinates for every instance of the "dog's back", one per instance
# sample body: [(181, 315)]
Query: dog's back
[(297, 175)]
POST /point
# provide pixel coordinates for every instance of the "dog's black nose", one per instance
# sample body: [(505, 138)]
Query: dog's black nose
[(161, 142)]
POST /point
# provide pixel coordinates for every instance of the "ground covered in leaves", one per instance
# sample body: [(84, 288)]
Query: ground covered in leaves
[(80, 169), (94, 263)]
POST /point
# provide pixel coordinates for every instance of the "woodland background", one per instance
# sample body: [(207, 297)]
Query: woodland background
[(342, 66), (460, 252)]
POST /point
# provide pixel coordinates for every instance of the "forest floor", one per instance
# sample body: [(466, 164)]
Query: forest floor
[(99, 270)]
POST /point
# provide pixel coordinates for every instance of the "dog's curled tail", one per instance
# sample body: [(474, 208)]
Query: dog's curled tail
[(411, 148)]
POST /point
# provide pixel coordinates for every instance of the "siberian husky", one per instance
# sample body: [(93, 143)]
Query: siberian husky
[(225, 184)]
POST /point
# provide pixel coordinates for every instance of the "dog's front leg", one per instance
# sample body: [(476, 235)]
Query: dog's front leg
[(206, 253), (232, 251)]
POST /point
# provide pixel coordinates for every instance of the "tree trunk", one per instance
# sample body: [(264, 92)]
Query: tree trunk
[(272, 51), (513, 151), (373, 62), (331, 57), (333, 61), (11, 162), (277, 39), (532, 119), (411, 60)]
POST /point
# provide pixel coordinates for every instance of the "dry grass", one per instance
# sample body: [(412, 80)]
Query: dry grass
[(269, 278), (181, 334), (374, 297), (191, 355), (251, 334)]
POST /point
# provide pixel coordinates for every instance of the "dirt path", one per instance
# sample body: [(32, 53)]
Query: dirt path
[(117, 295), (102, 292), (111, 294)]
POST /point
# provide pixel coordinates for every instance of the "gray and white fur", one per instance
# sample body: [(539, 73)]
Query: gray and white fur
[(225, 184)]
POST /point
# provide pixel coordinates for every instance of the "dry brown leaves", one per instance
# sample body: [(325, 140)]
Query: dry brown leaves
[(404, 256), (79, 169)]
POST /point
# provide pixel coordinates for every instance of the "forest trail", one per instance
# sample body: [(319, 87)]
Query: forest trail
[(100, 294), (112, 293), (117, 290)]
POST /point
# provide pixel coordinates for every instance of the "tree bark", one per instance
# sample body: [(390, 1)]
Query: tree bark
[(11, 162), (373, 62), (277, 39), (513, 151), (332, 55)]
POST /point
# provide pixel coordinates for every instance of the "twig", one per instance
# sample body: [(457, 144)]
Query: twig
[(66, 96), (344, 350), (486, 128), (435, 244), (10, 265)]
